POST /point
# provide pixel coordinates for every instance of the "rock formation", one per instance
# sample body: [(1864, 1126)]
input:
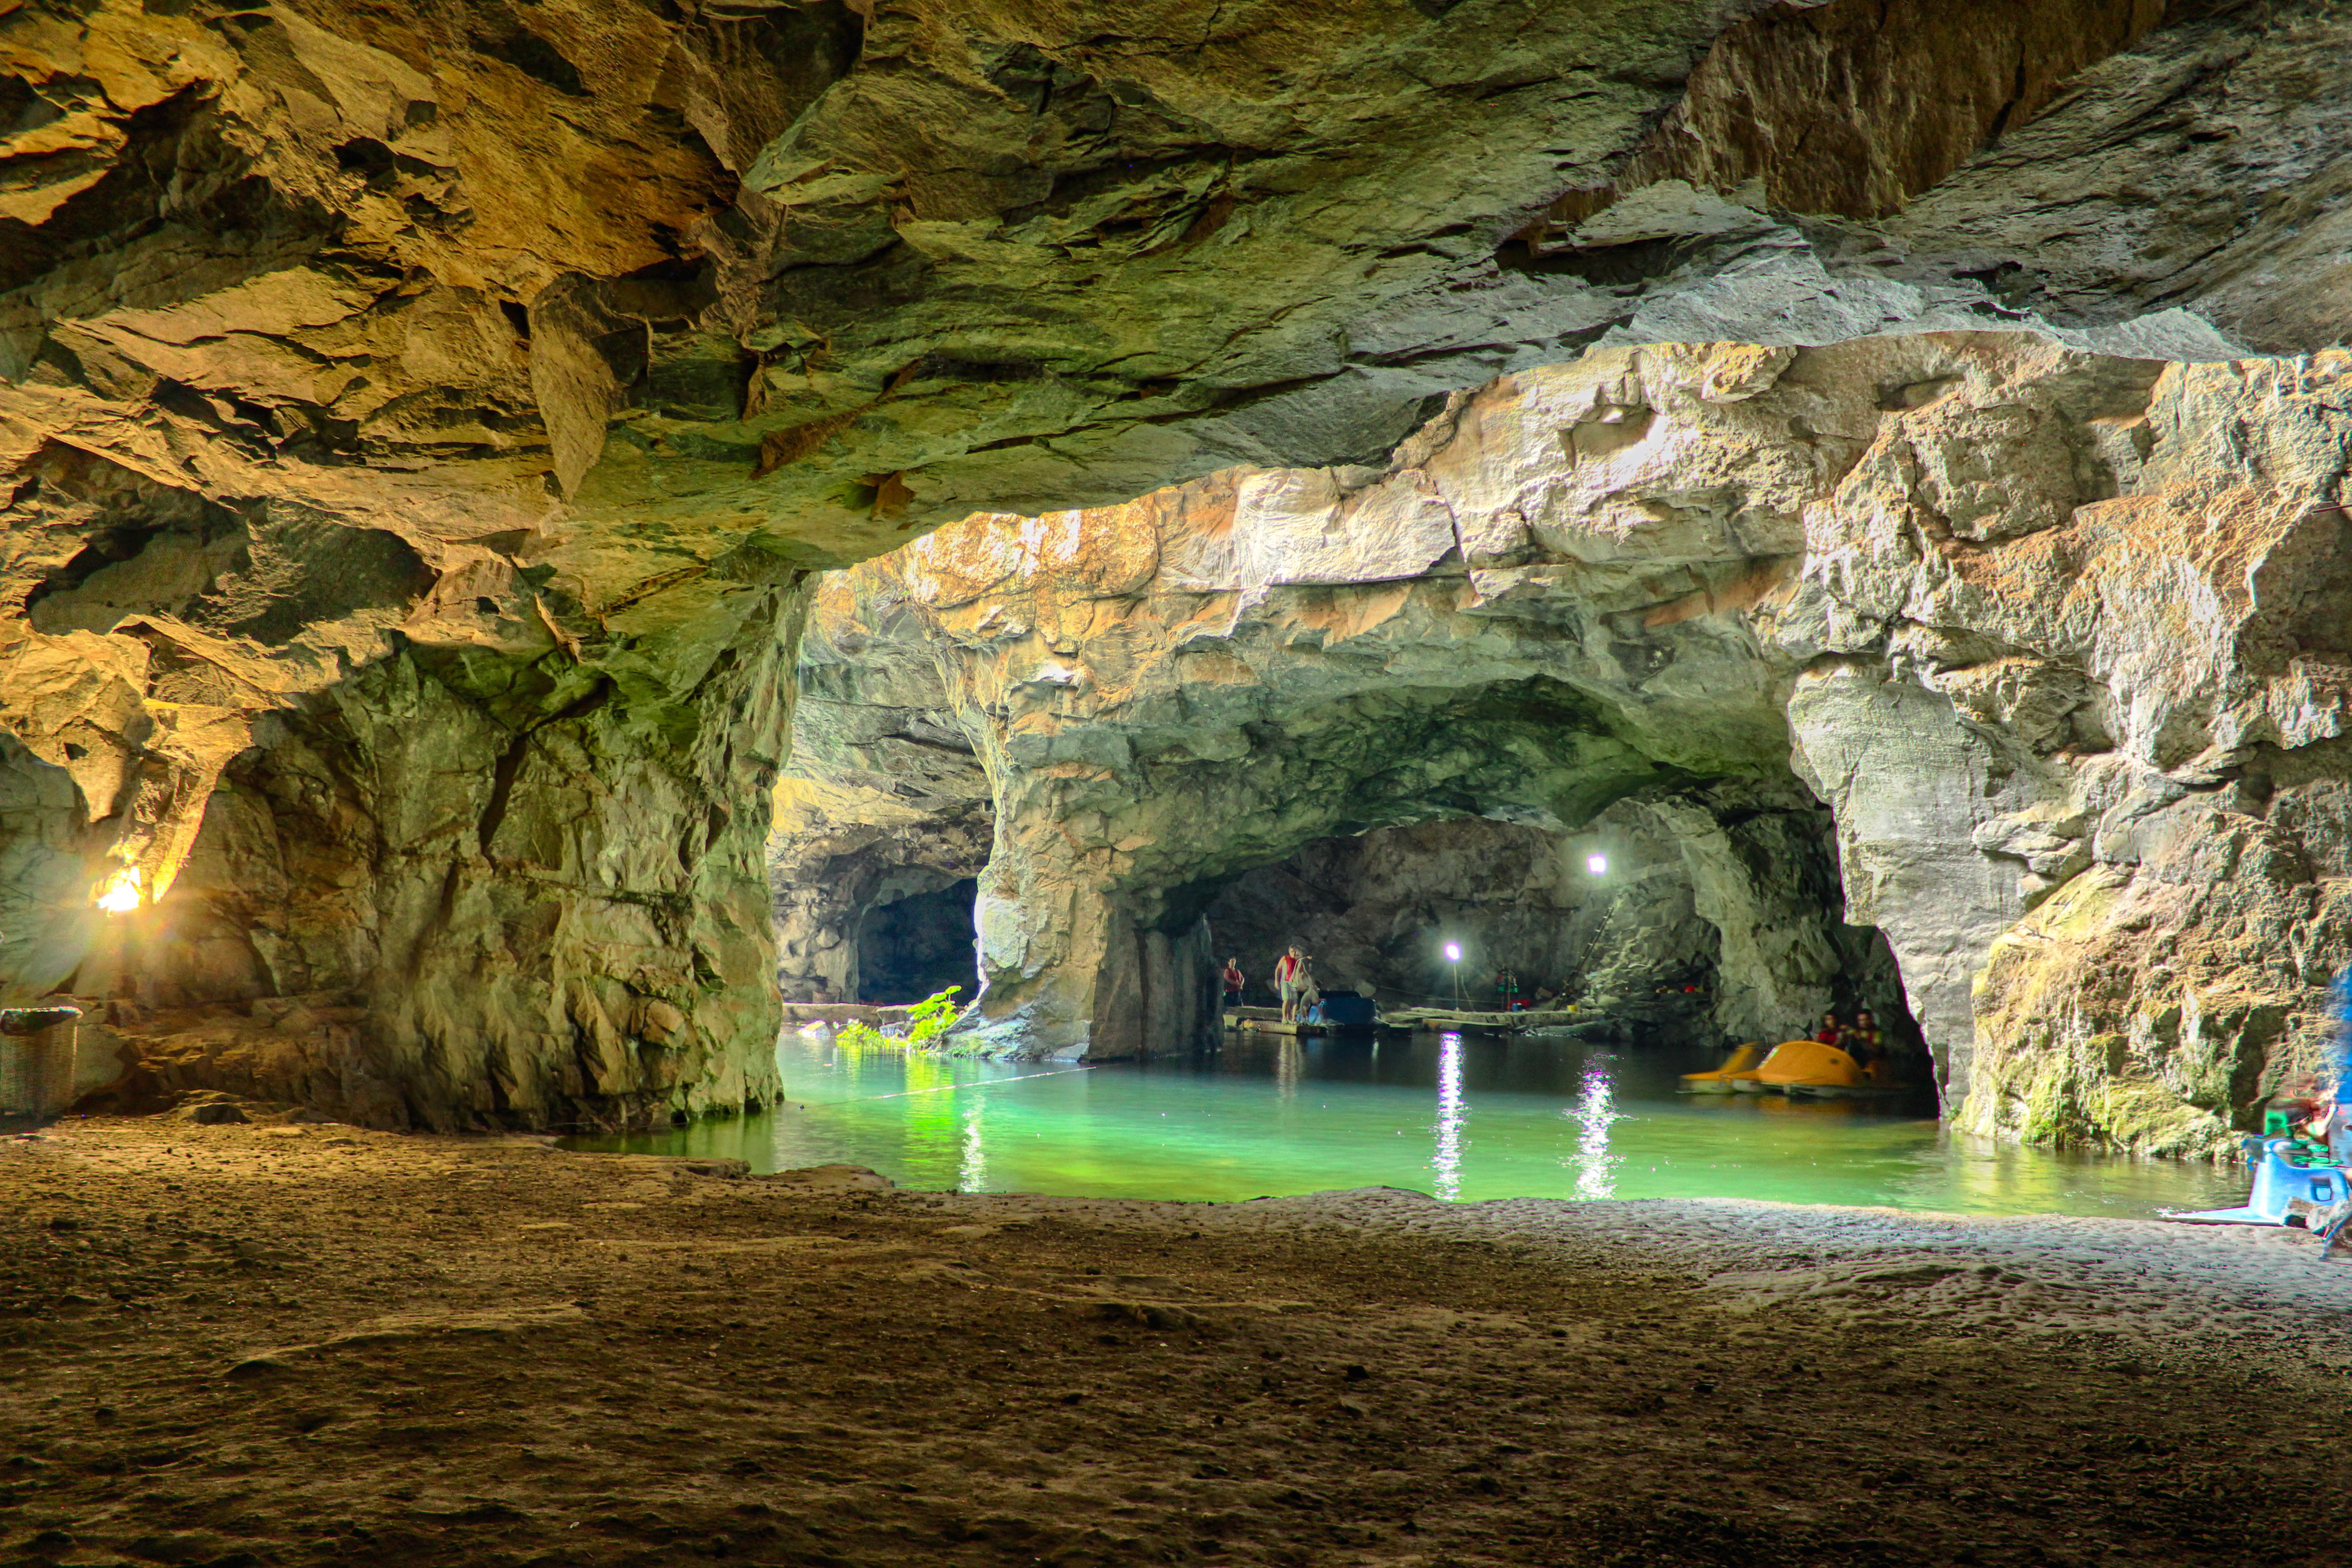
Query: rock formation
[(2056, 637), (419, 417)]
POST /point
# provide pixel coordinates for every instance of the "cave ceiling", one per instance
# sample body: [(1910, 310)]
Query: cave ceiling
[(621, 289), (603, 315)]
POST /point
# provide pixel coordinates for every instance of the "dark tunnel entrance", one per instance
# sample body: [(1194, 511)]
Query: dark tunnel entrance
[(919, 945)]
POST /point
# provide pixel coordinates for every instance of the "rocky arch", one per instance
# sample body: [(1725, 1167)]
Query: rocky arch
[(884, 798), (1904, 581)]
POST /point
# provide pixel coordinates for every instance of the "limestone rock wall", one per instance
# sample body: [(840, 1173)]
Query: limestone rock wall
[(2076, 692), (2052, 635), (563, 920), (1758, 860), (883, 795)]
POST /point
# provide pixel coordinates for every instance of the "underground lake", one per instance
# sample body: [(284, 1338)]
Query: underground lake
[(1463, 1118)]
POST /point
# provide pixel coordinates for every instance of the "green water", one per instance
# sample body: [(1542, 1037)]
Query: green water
[(1462, 1118)]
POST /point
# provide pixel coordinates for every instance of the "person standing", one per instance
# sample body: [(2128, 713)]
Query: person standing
[(1289, 970), (1233, 981), (2339, 1118)]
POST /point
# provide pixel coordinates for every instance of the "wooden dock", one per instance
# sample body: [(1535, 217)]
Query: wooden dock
[(1470, 1021), (1268, 1021), (798, 1013)]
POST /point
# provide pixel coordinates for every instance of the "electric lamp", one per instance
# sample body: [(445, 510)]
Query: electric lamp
[(122, 892)]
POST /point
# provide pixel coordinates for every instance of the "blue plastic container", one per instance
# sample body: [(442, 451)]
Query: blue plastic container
[(2278, 1184)]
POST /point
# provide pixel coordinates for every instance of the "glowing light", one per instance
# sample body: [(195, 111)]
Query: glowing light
[(1453, 952), (122, 891), (1597, 864)]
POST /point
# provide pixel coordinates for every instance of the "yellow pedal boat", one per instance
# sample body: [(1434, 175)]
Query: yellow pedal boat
[(1743, 1060), (1807, 1069), (1802, 1070)]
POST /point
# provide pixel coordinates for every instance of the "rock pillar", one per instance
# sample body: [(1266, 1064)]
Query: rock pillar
[(436, 903)]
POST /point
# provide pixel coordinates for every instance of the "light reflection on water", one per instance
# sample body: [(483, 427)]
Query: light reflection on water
[(1464, 1118), (1594, 1110), (1446, 1160), (971, 1174)]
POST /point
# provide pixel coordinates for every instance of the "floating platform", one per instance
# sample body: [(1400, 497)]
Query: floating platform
[(1472, 1022), (1272, 1024), (798, 1015)]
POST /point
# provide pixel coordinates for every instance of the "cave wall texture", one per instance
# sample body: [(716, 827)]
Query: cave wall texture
[(421, 417), (1375, 909), (1728, 888), (2057, 637)]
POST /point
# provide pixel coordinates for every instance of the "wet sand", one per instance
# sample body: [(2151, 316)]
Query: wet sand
[(274, 1344)]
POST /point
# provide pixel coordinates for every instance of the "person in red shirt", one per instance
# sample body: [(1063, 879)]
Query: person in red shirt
[(1234, 982), (1829, 1031)]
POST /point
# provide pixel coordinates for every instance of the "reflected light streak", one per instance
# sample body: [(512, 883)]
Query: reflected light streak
[(972, 1172), (1446, 1159), (1596, 1108), (1287, 1064)]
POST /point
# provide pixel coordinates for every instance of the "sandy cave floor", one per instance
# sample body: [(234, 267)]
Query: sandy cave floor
[(267, 1344)]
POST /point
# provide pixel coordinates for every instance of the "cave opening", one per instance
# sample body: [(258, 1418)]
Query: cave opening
[(918, 945), (1686, 919)]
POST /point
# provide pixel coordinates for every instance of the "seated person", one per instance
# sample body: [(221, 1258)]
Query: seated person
[(1831, 1032), (1863, 1041)]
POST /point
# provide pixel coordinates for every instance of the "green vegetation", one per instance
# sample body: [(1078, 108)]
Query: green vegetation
[(933, 1016), (926, 1021)]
